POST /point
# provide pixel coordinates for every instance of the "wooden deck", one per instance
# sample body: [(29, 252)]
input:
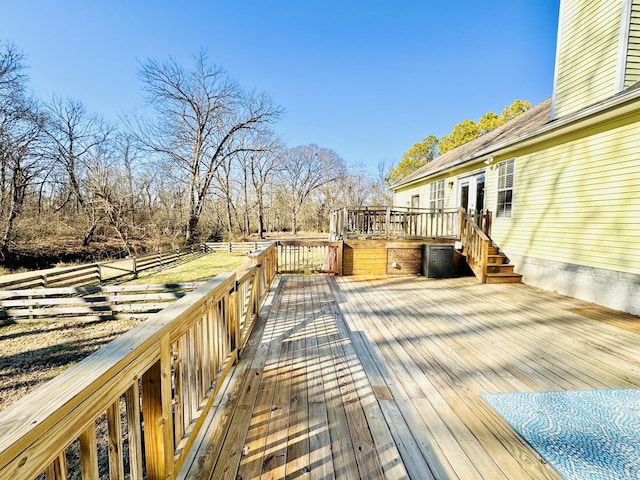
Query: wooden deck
[(358, 377)]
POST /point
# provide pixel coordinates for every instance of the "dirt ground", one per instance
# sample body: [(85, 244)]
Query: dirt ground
[(33, 353)]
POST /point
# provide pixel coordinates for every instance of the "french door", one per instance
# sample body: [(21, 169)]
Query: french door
[(471, 192)]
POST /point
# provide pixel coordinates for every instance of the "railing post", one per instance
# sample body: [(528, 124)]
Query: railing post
[(387, 221), (339, 260), (461, 221), (158, 421), (234, 320), (345, 222), (484, 259), (257, 284), (488, 222)]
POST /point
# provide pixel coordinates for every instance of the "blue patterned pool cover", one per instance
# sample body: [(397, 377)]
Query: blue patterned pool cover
[(584, 435)]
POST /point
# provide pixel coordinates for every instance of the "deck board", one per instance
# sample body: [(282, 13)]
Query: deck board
[(365, 377)]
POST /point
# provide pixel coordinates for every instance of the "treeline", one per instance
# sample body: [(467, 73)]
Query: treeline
[(203, 161), (431, 147)]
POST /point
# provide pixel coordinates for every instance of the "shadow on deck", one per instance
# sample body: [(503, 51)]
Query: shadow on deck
[(357, 377)]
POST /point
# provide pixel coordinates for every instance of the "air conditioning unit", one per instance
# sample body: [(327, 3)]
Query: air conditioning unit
[(437, 261)]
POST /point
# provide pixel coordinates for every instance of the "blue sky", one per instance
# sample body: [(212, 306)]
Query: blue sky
[(365, 78)]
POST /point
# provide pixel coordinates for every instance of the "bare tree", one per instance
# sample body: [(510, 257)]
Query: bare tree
[(305, 169), (109, 185), (199, 115), (264, 163), (75, 137), (21, 126)]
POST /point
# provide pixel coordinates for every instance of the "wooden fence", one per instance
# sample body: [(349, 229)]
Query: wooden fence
[(94, 272), (167, 371), (394, 222), (89, 302)]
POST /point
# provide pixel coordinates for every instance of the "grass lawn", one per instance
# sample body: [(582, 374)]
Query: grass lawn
[(198, 270)]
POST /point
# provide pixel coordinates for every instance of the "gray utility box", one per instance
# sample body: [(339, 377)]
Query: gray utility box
[(437, 261)]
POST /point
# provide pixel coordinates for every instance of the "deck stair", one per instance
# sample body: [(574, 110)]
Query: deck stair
[(498, 268)]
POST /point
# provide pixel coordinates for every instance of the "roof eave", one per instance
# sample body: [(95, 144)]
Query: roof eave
[(614, 107)]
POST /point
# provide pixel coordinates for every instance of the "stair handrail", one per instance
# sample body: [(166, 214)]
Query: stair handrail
[(475, 245)]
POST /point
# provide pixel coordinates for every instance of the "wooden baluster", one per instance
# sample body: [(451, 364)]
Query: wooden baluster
[(58, 469), (132, 399), (89, 453), (116, 461)]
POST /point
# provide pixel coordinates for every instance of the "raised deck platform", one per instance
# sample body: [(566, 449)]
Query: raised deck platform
[(357, 377)]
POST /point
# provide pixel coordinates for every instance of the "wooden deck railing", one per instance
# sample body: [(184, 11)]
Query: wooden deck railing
[(156, 384), (234, 247), (310, 256), (475, 242), (398, 222)]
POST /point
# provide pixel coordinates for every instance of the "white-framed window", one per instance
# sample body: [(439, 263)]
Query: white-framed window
[(437, 195), (506, 176), (415, 201)]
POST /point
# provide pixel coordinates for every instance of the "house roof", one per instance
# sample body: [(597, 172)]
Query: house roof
[(529, 121), (535, 123)]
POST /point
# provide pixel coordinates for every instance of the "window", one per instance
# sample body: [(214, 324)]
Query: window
[(505, 189), (437, 195), (415, 201)]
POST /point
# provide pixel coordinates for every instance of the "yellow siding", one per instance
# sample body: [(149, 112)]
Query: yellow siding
[(587, 54), (632, 72), (577, 202), (402, 198)]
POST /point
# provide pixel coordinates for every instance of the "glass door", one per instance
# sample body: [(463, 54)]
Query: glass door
[(471, 192)]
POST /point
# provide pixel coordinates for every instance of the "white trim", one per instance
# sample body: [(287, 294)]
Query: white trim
[(512, 188), (434, 189), (623, 44), (471, 179), (563, 4)]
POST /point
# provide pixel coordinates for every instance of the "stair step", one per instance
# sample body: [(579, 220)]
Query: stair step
[(504, 278), (495, 259), (500, 268)]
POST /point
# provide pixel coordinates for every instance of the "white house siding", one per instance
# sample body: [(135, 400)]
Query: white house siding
[(587, 57), (576, 216)]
